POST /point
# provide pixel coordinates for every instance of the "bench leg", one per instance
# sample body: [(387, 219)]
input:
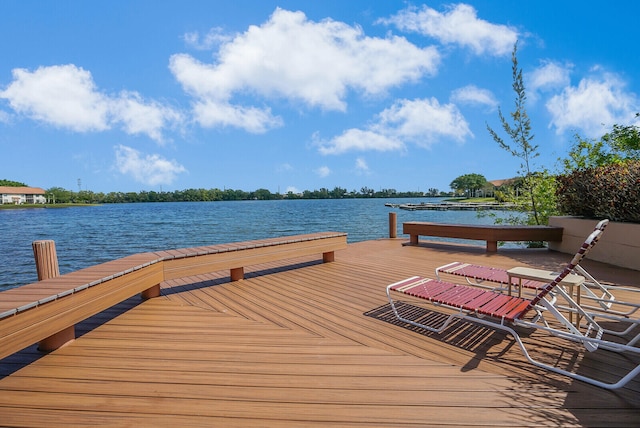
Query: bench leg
[(152, 292), (413, 239), (492, 246), (57, 340), (328, 257), (237, 274)]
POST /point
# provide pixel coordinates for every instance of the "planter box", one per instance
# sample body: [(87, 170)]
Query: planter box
[(619, 245)]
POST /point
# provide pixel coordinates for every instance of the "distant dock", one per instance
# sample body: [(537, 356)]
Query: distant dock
[(457, 206)]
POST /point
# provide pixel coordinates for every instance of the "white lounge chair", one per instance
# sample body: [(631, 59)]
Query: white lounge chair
[(503, 312)]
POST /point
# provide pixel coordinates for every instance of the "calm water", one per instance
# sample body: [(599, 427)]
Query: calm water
[(87, 236)]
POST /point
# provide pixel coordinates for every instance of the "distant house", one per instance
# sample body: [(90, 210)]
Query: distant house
[(22, 195), (505, 182)]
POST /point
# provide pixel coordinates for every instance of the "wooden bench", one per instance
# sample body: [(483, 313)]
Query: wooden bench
[(489, 233), (47, 311), (235, 256)]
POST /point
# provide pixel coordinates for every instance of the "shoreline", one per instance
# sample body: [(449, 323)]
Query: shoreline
[(42, 206)]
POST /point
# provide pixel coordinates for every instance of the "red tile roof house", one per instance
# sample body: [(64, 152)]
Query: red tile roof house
[(22, 195)]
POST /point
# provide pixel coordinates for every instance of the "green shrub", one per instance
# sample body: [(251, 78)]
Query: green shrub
[(610, 191)]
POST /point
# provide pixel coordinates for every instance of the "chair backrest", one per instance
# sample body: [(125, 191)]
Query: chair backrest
[(588, 244), (601, 225)]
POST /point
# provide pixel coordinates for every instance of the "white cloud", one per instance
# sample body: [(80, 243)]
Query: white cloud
[(323, 171), (62, 95), (293, 190), (213, 38), (593, 106), (293, 58), (285, 167), (4, 117), (147, 169), (422, 122), (361, 166), (67, 97), (458, 25), (548, 77), (138, 117), (473, 95), (360, 140), (209, 113)]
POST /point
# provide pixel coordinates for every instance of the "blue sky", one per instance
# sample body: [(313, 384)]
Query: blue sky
[(301, 95)]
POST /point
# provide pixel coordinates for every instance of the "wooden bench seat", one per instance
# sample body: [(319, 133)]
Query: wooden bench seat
[(489, 233), (195, 261), (47, 311)]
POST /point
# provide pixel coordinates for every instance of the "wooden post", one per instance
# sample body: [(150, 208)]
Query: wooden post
[(328, 257), (237, 274), (151, 292), (47, 267), (46, 259), (393, 225)]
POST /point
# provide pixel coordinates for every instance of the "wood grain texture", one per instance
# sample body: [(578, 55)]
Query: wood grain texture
[(302, 343)]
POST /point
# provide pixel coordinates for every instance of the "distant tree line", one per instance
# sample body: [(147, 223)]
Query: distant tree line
[(10, 183), (59, 195), (203, 195)]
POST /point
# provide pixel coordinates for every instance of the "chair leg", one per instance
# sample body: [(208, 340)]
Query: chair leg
[(439, 329), (501, 326)]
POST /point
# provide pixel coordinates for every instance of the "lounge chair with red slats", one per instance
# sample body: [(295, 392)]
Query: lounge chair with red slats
[(503, 312), (596, 298)]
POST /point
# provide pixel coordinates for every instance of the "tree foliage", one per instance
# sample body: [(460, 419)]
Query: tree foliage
[(615, 147), (521, 145), (602, 176), (610, 191), (59, 195), (468, 183), (625, 140), (9, 183)]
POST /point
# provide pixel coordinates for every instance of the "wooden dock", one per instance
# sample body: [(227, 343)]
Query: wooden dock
[(306, 343), (457, 206)]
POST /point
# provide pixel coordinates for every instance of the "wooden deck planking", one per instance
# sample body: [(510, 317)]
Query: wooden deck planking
[(123, 389), (330, 314), (367, 390), (479, 338), (310, 346)]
